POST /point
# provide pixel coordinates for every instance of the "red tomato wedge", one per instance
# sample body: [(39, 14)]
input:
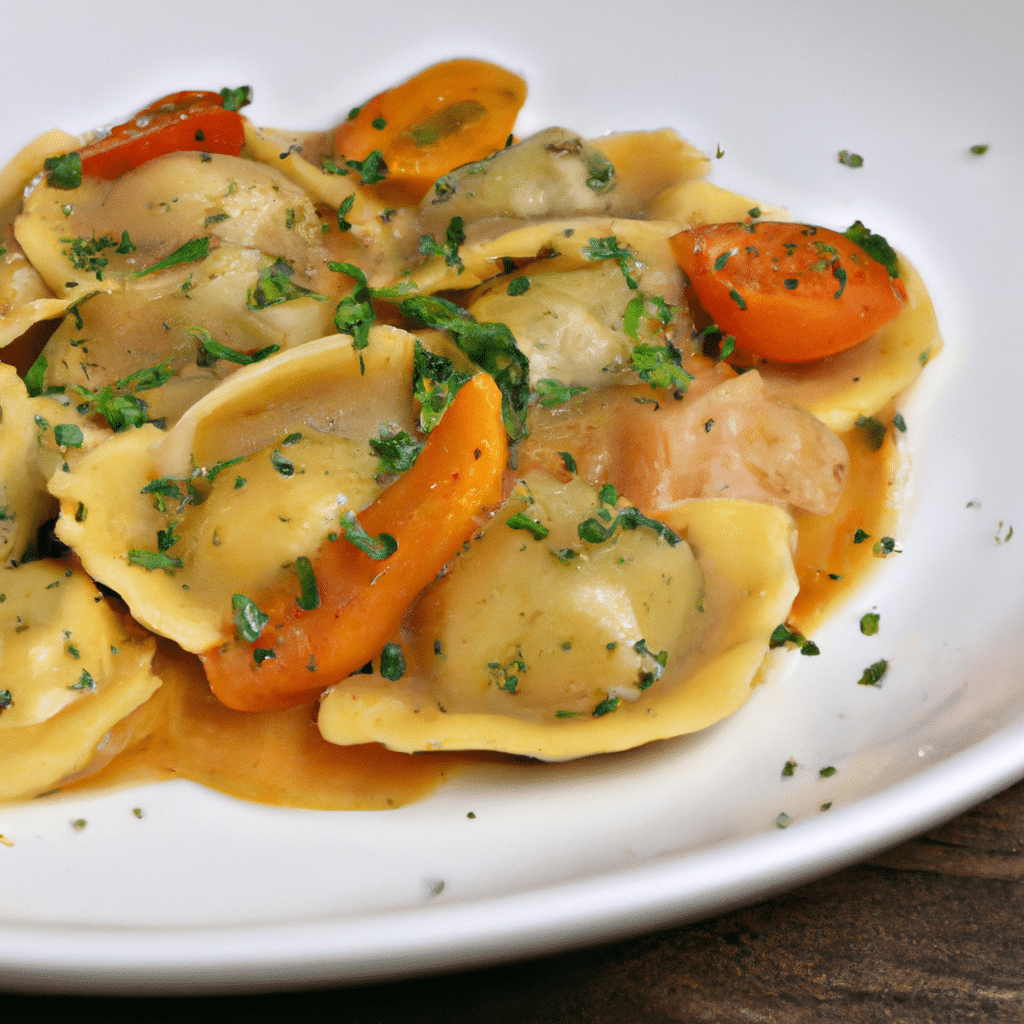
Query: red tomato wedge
[(448, 115), (184, 121), (431, 510), (788, 292)]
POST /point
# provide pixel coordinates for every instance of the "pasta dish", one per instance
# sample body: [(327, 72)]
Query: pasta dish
[(321, 450)]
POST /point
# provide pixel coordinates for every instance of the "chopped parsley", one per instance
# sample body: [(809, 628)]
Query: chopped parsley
[(392, 662), (782, 635), (345, 208), (151, 560), (194, 249), (435, 384), (119, 403), (869, 623), (873, 673), (552, 392), (309, 598), (506, 677), (649, 677), (64, 171), (874, 431), (85, 682), (491, 346), (371, 170), (210, 350), (660, 366), (521, 521), (235, 99), (454, 236), (397, 451), (594, 531), (601, 173), (84, 253), (248, 619), (274, 286), (848, 159), (283, 465), (609, 249), (354, 315), (979, 149), (68, 435), (875, 246), (379, 548)]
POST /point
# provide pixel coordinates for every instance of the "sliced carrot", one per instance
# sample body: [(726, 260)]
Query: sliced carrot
[(788, 292), (430, 511), (184, 121), (448, 115)]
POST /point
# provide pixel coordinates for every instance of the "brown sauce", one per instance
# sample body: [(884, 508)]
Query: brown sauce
[(271, 757), (829, 563)]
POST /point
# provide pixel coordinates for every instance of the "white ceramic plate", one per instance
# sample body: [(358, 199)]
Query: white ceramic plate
[(207, 893)]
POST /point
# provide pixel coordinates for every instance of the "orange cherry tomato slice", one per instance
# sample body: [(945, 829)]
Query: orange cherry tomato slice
[(788, 292), (448, 115), (431, 510), (184, 121)]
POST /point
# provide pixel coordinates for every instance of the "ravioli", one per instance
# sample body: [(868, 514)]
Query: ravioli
[(520, 650), (71, 667), (256, 475), (37, 436)]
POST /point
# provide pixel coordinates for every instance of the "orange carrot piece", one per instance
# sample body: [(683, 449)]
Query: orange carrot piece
[(448, 115), (184, 121), (431, 510), (788, 292)]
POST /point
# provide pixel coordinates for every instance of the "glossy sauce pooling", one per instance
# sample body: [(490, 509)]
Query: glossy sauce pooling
[(273, 757), (830, 559)]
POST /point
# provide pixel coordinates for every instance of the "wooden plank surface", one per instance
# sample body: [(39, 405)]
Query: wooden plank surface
[(931, 932)]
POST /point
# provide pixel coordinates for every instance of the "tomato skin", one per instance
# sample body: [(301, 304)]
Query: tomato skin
[(787, 292), (182, 122), (448, 115)]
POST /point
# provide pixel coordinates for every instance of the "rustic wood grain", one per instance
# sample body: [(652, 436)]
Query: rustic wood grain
[(931, 932)]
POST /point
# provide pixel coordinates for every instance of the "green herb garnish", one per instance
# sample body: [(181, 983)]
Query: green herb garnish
[(379, 548), (64, 171), (309, 598), (392, 662), (195, 249), (248, 619), (873, 673)]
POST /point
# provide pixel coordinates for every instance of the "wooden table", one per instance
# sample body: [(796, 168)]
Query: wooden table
[(932, 931)]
